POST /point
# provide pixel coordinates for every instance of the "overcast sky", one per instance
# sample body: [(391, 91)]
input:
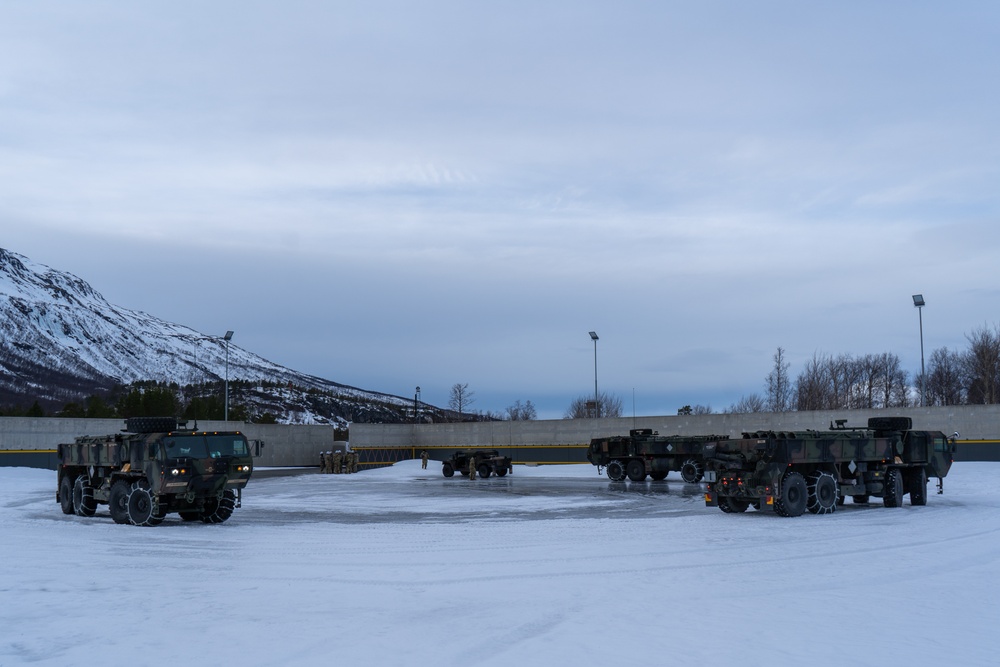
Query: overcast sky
[(394, 194)]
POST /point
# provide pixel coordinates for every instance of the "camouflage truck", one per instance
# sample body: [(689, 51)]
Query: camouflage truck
[(815, 471), (154, 467), (487, 462), (643, 452)]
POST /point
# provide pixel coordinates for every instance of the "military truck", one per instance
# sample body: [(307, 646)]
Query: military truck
[(644, 452), (487, 462), (153, 467), (815, 471)]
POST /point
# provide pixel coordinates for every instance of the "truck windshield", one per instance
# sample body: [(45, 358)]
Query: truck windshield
[(205, 446)]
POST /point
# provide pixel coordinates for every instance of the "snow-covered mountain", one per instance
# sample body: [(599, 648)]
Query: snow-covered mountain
[(61, 340)]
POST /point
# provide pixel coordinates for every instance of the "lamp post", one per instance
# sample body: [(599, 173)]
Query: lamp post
[(228, 337), (416, 404), (597, 409), (918, 302)]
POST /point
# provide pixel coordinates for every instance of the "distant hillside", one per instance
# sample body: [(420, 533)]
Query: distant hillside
[(61, 342)]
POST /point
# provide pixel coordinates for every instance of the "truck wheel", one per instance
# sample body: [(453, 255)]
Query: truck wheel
[(447, 470), (792, 499), (692, 471), (66, 495), (118, 501), (732, 505), (636, 470), (918, 487), (822, 493), (484, 470), (616, 471), (500, 472), (83, 497), (218, 510), (140, 504), (658, 476), (892, 490)]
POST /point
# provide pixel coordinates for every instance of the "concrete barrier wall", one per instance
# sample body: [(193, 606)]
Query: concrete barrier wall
[(978, 422), (21, 438), (279, 445)]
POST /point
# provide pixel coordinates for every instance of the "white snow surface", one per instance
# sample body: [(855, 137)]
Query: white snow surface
[(378, 569)]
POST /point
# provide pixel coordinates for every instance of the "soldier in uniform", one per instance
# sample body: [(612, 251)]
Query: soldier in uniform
[(338, 462), (472, 467), (423, 460), (354, 461), (323, 465)]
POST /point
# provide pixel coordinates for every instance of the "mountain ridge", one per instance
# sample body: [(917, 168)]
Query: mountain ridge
[(62, 340)]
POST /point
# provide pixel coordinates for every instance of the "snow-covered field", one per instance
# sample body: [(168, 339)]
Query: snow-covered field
[(401, 567)]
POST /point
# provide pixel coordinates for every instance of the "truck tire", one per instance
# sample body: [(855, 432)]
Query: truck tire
[(692, 471), (118, 501), (822, 493), (892, 490), (141, 506), (791, 502), (500, 472), (484, 470), (218, 510), (83, 497), (918, 487), (636, 470), (66, 495), (447, 470), (732, 505), (616, 471)]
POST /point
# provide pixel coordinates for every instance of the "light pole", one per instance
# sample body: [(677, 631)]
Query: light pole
[(416, 404), (228, 337), (597, 409), (918, 301)]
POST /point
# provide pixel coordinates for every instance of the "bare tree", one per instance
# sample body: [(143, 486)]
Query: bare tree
[(583, 407), (982, 366), (519, 412), (778, 386), (695, 410), (461, 398), (748, 404), (943, 384), (813, 388)]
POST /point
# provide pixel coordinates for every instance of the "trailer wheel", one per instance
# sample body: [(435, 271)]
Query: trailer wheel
[(218, 510), (66, 495), (141, 505), (616, 471), (792, 499), (658, 476), (636, 470), (484, 470), (118, 501), (500, 472), (822, 493), (447, 470), (83, 497), (918, 487), (892, 489), (692, 471), (732, 505)]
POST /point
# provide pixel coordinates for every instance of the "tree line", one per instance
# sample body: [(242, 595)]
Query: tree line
[(847, 382)]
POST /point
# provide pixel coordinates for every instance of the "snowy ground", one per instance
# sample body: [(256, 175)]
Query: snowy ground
[(550, 566)]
